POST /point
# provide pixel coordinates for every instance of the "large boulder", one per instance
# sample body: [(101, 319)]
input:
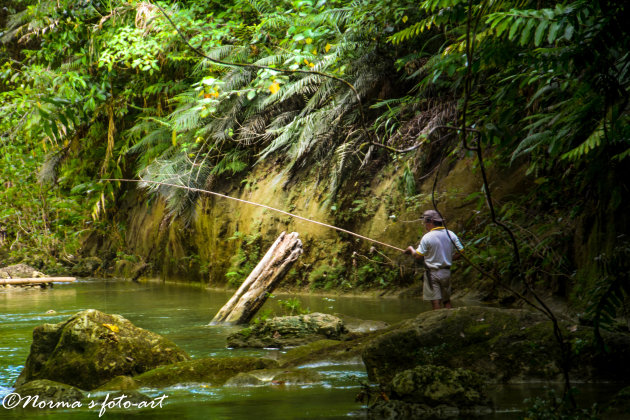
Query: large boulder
[(92, 347), (503, 344), (289, 331)]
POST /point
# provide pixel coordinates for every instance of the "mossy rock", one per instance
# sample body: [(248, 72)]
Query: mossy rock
[(51, 391), (289, 331), (504, 344), (315, 351), (347, 351), (437, 385), (92, 347), (212, 371)]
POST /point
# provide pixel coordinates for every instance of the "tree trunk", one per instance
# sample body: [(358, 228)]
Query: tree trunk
[(37, 280), (263, 279)]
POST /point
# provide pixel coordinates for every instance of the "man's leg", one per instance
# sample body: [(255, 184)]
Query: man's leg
[(447, 304), (436, 304)]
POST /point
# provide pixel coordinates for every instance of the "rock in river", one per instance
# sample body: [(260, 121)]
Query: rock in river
[(92, 347), (433, 392), (502, 344), (289, 331), (209, 370), (19, 271), (51, 391)]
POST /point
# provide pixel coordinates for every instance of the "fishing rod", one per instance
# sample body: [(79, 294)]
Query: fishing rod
[(199, 190)]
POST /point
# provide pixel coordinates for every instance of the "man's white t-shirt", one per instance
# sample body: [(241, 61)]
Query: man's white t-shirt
[(437, 248)]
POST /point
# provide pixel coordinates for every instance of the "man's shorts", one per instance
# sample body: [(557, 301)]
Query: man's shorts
[(441, 285)]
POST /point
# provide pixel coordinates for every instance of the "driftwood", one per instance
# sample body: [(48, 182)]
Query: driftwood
[(253, 293), (37, 280)]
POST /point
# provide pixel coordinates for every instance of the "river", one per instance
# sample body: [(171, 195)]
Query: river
[(182, 313)]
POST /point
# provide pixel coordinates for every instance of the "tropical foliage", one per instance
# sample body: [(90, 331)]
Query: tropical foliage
[(193, 93)]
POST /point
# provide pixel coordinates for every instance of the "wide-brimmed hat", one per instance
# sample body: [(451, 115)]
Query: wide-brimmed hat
[(432, 215)]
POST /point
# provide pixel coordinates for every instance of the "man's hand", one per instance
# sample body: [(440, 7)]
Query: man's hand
[(409, 250)]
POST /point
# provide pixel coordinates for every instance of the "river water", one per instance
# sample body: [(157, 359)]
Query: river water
[(182, 313)]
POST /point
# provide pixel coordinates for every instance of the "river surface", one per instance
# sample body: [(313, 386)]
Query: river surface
[(182, 313)]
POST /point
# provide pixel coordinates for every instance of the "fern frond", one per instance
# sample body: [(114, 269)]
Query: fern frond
[(592, 142), (276, 22), (48, 172), (529, 143)]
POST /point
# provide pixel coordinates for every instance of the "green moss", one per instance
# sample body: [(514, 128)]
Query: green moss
[(246, 258), (326, 277), (478, 329), (214, 371)]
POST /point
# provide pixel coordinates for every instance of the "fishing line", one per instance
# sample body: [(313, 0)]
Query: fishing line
[(256, 204)]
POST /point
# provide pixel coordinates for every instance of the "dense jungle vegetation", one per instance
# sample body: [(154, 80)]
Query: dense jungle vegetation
[(197, 92)]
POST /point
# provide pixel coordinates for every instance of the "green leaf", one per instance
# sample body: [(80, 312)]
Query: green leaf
[(568, 32), (540, 32), (514, 28), (526, 31), (553, 32)]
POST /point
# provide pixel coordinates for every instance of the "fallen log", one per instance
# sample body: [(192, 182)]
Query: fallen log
[(263, 279), (37, 280)]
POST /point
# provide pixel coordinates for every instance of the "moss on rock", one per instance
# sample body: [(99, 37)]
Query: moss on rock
[(213, 371), (435, 385), (504, 344), (92, 347), (52, 391), (289, 331)]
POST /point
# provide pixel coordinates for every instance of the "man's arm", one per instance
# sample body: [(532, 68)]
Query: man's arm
[(412, 251)]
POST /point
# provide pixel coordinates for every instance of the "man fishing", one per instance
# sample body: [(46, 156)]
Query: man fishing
[(437, 251)]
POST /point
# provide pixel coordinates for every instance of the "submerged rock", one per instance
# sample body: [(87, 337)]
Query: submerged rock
[(289, 331), (275, 377), (52, 391), (211, 370), (297, 377), (244, 379), (92, 347), (503, 344)]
